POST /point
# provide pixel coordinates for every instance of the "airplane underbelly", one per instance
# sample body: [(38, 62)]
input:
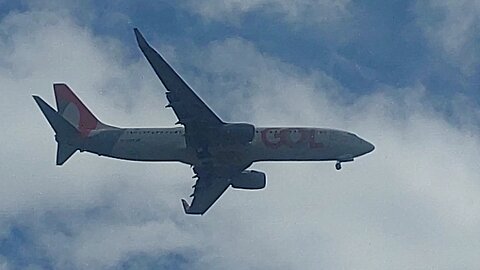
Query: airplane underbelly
[(151, 149), (292, 154)]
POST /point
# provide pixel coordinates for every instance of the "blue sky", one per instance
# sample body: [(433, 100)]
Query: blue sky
[(371, 43), (403, 74)]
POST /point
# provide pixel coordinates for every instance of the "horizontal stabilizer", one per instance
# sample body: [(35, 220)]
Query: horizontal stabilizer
[(56, 121), (64, 152), (65, 132)]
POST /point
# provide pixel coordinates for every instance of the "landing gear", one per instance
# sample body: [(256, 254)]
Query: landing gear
[(338, 166)]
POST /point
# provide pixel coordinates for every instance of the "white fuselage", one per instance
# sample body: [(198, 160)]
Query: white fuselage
[(269, 144)]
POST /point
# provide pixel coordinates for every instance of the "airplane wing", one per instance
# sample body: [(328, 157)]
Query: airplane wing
[(190, 110), (206, 193), (199, 120)]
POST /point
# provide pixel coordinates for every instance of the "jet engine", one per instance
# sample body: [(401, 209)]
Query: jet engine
[(239, 133), (249, 180)]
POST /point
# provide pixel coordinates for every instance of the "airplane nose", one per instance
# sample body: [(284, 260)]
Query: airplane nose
[(369, 147)]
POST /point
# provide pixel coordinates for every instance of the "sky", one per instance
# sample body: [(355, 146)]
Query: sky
[(402, 74)]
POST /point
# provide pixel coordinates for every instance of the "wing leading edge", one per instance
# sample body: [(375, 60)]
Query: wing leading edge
[(190, 110), (198, 120)]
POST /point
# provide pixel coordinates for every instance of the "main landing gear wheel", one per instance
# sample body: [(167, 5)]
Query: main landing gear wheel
[(338, 166)]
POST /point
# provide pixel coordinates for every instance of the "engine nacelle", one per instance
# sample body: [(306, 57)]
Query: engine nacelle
[(239, 133), (249, 180)]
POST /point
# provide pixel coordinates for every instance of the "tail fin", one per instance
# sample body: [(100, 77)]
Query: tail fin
[(72, 122), (65, 132), (74, 111)]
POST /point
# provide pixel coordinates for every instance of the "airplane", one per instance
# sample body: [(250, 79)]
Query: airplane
[(219, 152)]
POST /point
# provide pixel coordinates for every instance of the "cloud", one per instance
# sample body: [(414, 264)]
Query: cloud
[(451, 27), (71, 210), (413, 203), (416, 194), (291, 11)]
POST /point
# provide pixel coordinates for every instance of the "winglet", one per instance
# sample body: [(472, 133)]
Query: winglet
[(186, 206), (142, 43)]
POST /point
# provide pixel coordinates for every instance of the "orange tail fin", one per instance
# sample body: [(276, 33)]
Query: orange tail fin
[(74, 111)]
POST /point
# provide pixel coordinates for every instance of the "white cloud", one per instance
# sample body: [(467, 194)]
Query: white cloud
[(46, 47), (4, 264), (413, 203), (312, 11), (258, 83), (452, 27)]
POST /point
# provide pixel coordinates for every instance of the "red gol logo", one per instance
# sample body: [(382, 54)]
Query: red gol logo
[(289, 137)]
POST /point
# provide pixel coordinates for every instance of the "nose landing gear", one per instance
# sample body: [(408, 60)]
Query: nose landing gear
[(338, 165)]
